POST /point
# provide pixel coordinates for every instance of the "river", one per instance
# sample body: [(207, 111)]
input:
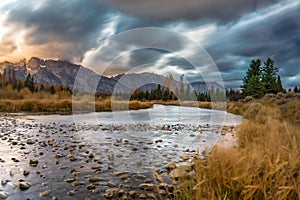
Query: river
[(73, 148)]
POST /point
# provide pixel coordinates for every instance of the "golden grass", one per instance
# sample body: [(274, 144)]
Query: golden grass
[(266, 165)]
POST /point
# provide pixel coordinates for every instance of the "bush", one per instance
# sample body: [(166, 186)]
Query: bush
[(266, 163)]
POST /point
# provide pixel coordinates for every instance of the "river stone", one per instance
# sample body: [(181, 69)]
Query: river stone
[(70, 180), (3, 195), (4, 182), (132, 193), (110, 193), (93, 179), (26, 173), (178, 173), (91, 187), (142, 196), (72, 158), (24, 185), (33, 163), (185, 158), (110, 184), (71, 192), (140, 176), (30, 141), (45, 193), (96, 167), (147, 186), (76, 183), (120, 173), (170, 166), (58, 155), (96, 191)]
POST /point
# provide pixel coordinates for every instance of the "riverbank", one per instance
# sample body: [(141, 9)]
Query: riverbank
[(67, 106), (266, 162)]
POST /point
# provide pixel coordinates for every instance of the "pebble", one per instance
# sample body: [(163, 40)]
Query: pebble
[(142, 196), (110, 193), (178, 173), (170, 166), (70, 180), (91, 187), (147, 186), (4, 182), (72, 158), (33, 163), (26, 173), (3, 195), (132, 193), (119, 173), (93, 179), (71, 192), (76, 183), (45, 193), (110, 184), (29, 141), (24, 185)]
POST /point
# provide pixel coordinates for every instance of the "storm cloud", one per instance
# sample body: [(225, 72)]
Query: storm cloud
[(232, 32), (219, 10)]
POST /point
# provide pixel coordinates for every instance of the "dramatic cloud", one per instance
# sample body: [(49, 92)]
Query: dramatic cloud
[(88, 32), (62, 29), (220, 10)]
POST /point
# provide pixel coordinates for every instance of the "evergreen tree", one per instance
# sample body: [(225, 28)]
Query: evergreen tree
[(279, 85), (29, 83), (252, 85), (42, 87), (296, 89), (52, 89), (269, 76)]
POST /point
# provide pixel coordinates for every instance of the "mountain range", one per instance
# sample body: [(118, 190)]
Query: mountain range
[(71, 75)]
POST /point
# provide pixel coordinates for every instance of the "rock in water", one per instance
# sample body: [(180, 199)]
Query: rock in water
[(33, 163), (178, 173), (45, 193), (24, 185), (170, 166), (147, 186), (3, 195)]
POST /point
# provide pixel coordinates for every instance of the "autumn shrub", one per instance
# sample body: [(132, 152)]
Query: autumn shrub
[(265, 165)]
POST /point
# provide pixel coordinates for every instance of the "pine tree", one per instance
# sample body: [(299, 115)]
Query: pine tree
[(252, 85), (269, 76), (52, 89), (29, 83), (296, 89), (279, 85)]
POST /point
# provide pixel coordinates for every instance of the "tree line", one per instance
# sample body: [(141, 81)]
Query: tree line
[(261, 79), (10, 84)]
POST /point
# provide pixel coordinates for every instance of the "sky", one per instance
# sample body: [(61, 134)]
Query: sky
[(204, 40)]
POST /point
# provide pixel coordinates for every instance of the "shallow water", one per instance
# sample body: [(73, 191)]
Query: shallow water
[(137, 142), (158, 115)]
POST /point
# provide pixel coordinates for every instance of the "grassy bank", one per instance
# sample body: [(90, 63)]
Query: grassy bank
[(265, 165), (45, 103)]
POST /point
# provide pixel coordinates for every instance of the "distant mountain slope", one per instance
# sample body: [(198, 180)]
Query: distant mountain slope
[(62, 72)]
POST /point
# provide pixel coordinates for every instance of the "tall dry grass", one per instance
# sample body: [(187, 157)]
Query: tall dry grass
[(265, 165)]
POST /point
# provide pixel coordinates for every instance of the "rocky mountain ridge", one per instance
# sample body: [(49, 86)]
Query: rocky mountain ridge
[(71, 75)]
